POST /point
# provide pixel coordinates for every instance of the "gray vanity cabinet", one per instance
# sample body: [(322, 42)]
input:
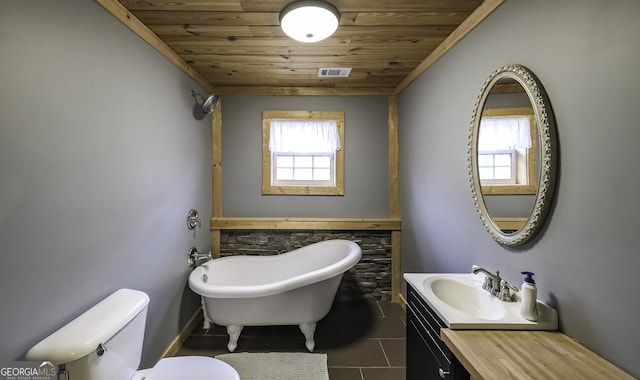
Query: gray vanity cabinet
[(427, 355)]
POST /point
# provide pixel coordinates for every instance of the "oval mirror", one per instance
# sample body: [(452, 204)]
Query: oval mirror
[(512, 155)]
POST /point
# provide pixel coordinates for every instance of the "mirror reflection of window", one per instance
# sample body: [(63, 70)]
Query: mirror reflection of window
[(502, 139), (506, 151), (497, 166)]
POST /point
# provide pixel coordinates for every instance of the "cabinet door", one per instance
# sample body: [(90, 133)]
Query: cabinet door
[(421, 362), (427, 355)]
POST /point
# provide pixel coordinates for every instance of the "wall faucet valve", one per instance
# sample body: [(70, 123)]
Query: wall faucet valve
[(193, 219)]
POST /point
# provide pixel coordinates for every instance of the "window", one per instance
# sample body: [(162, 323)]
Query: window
[(290, 169), (498, 166), (302, 152), (507, 151)]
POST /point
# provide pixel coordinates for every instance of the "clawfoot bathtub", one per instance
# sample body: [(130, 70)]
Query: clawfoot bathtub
[(293, 288)]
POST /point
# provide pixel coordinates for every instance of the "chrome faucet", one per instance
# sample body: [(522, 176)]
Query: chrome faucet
[(195, 258), (495, 285), (491, 281), (505, 291)]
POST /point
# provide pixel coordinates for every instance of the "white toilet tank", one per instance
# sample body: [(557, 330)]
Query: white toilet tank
[(103, 343)]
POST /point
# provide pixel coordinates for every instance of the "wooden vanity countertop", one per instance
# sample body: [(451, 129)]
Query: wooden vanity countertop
[(502, 354)]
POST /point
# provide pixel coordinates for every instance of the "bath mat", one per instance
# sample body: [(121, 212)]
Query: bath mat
[(278, 365)]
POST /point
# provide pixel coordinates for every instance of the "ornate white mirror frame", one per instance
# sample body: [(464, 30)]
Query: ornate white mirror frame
[(547, 154)]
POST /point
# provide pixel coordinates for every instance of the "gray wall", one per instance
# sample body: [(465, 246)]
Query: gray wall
[(100, 160), (366, 178), (586, 54)]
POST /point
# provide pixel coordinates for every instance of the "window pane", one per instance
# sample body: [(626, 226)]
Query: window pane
[(304, 161), (284, 174), (485, 173), (485, 160), (303, 174), (503, 160), (322, 162), (503, 173), (322, 174), (284, 161)]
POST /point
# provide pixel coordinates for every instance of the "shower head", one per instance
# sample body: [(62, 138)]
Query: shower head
[(206, 107)]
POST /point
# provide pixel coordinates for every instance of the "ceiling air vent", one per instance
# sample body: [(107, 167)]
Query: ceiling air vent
[(334, 72)]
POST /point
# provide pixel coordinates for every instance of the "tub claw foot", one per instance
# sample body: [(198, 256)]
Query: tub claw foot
[(308, 329), (234, 333), (207, 321)]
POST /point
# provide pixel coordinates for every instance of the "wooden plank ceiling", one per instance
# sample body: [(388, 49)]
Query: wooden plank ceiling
[(239, 48)]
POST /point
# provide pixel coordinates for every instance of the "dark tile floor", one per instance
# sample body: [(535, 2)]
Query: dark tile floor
[(363, 340)]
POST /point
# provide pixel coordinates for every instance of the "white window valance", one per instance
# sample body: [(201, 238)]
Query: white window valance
[(297, 136), (501, 133)]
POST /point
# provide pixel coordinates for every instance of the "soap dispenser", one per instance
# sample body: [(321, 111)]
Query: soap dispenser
[(529, 307)]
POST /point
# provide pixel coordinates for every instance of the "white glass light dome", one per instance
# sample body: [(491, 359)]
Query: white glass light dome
[(309, 20)]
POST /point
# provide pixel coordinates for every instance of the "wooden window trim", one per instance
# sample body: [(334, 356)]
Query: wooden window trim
[(267, 188)]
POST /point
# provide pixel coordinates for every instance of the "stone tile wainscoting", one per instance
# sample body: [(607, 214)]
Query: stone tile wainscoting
[(370, 278)]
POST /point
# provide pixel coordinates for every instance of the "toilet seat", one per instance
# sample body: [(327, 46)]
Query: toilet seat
[(192, 368)]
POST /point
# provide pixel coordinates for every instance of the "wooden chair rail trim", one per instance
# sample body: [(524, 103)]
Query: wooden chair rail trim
[(238, 223)]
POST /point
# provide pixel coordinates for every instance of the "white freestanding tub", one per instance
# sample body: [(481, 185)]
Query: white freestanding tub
[(293, 288)]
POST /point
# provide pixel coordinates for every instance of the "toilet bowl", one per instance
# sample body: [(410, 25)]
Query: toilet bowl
[(105, 343), (188, 367)]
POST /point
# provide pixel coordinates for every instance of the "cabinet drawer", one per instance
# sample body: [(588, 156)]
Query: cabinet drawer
[(435, 323)]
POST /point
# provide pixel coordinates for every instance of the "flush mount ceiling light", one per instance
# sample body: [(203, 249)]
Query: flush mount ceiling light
[(309, 20)]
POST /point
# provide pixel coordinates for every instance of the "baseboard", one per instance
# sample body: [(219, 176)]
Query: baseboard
[(179, 340)]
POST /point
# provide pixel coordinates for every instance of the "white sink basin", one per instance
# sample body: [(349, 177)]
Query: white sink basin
[(461, 294), (462, 304)]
